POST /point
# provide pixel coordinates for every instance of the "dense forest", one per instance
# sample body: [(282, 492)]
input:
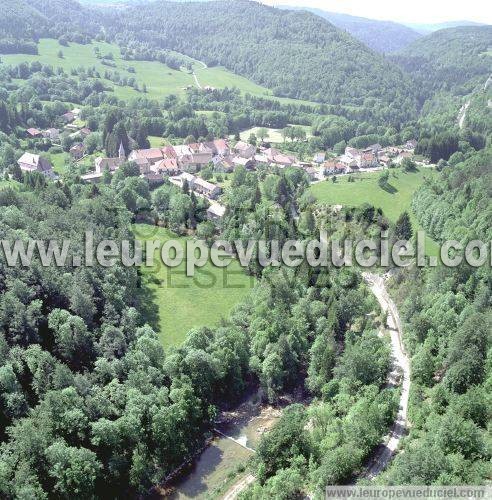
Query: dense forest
[(448, 322), (91, 404)]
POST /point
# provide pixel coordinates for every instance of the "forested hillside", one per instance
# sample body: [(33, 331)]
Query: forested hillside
[(458, 205), (19, 18), (426, 28), (450, 69), (295, 54), (24, 21), (381, 36), (448, 323), (454, 59)]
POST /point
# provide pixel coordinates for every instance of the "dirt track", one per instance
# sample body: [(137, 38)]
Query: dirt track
[(239, 487)]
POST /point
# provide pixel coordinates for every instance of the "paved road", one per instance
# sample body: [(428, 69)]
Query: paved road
[(401, 367)]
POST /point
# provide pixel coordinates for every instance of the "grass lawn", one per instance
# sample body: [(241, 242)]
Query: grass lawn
[(365, 189), (159, 78), (156, 142), (60, 162), (174, 304), (221, 77)]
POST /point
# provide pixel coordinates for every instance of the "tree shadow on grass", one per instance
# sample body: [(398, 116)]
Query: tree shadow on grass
[(389, 188), (146, 303)]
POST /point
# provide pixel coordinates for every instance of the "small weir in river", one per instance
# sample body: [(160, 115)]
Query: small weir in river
[(233, 445)]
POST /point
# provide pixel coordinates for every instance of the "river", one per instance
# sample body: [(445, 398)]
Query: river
[(223, 458)]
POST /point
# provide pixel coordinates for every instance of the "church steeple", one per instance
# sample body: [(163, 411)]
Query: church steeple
[(121, 151)]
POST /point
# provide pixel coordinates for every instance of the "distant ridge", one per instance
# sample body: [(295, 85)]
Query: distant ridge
[(430, 28), (381, 36)]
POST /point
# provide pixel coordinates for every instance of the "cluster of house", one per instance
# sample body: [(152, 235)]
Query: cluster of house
[(75, 132), (375, 155), (179, 163), (171, 161)]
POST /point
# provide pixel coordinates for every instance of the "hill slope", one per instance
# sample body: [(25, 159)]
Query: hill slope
[(295, 54), (381, 36), (34, 19), (451, 58), (19, 20)]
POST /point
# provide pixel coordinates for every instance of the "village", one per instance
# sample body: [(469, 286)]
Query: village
[(182, 164)]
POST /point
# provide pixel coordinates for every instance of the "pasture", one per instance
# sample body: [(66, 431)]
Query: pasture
[(174, 303), (159, 79), (365, 189)]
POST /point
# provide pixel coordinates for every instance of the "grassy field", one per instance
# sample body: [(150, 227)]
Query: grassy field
[(60, 161), (159, 79), (156, 142), (220, 77), (393, 201), (174, 304)]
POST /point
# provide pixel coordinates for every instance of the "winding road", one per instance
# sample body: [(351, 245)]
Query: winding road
[(194, 74), (464, 108), (401, 369)]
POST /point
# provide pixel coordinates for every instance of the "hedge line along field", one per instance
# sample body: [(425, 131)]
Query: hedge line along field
[(174, 303), (274, 135)]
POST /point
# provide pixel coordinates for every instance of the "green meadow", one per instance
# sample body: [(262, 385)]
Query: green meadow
[(174, 303), (159, 79), (220, 77), (156, 142), (393, 200), (60, 161)]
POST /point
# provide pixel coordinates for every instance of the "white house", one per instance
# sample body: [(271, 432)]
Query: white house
[(30, 162)]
